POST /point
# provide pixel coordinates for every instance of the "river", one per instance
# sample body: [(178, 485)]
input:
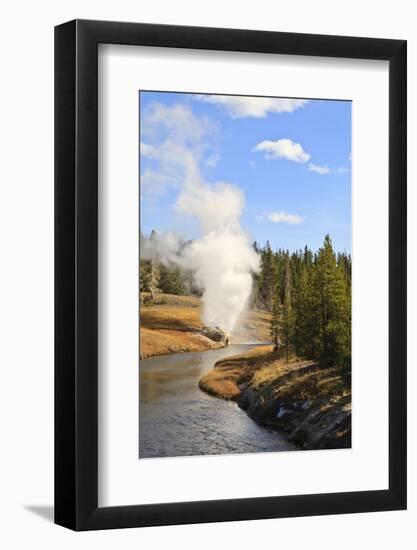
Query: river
[(177, 419)]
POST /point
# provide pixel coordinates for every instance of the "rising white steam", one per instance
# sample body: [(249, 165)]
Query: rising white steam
[(222, 260), (163, 247)]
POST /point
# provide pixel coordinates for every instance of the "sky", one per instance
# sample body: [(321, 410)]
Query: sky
[(289, 158)]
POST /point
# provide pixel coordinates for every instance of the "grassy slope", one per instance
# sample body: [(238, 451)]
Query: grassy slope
[(172, 326), (310, 401), (227, 375)]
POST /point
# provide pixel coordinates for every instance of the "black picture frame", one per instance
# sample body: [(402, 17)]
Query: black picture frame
[(76, 273)]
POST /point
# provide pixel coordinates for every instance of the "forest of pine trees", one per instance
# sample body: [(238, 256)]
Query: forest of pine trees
[(307, 293), (157, 278), (309, 297)]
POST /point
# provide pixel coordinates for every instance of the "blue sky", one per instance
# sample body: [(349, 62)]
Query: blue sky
[(289, 158)]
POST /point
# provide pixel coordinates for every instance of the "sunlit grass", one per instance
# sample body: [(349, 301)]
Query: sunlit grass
[(171, 325)]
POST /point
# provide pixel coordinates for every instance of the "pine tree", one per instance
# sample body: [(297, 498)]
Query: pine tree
[(170, 280), (334, 306), (287, 321), (267, 277), (154, 281), (309, 296), (144, 275), (276, 320), (305, 313)]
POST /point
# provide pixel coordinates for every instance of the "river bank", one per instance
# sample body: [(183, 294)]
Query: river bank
[(177, 419), (173, 325), (310, 402)]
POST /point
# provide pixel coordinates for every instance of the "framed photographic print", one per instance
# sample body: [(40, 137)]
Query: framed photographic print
[(230, 338)]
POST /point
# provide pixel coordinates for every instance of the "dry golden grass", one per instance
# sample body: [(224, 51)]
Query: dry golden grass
[(172, 313), (269, 371), (172, 325), (168, 300), (163, 342), (224, 379), (220, 387), (253, 356), (260, 367), (170, 318)]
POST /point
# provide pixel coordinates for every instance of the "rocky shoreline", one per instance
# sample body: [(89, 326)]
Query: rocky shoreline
[(308, 401)]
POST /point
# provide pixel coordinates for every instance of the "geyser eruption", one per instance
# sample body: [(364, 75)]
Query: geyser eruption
[(222, 260), (223, 263)]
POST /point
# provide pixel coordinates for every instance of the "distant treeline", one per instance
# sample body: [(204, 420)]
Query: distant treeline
[(309, 296), (307, 293), (156, 278)]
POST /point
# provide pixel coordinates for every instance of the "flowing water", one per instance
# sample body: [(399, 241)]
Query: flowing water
[(177, 419)]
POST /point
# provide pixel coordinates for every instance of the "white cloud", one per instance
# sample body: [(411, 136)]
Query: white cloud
[(148, 151), (322, 170), (283, 217), (175, 138), (283, 148), (177, 121), (279, 217), (318, 169), (252, 164), (257, 107)]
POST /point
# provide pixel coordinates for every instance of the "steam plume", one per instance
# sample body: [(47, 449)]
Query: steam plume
[(222, 259)]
